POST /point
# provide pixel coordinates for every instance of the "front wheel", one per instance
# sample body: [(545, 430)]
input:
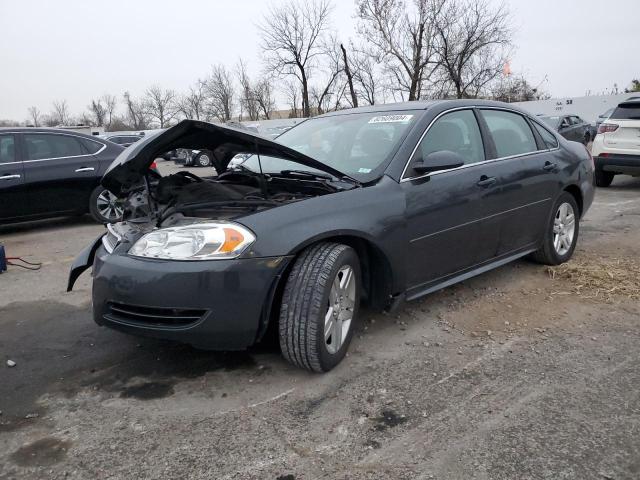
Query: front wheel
[(561, 234), (104, 206), (320, 306)]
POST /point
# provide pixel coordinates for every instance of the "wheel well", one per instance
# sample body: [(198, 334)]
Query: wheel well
[(577, 195), (377, 278)]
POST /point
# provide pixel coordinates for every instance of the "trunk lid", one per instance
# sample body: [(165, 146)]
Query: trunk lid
[(225, 142)]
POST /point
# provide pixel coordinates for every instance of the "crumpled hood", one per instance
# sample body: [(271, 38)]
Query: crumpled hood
[(225, 142)]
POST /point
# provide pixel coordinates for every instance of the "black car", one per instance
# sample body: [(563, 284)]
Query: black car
[(51, 172), (571, 127), (382, 204)]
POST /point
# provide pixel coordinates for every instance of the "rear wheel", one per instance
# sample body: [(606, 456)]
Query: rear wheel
[(561, 234), (604, 179), (319, 306), (105, 206)]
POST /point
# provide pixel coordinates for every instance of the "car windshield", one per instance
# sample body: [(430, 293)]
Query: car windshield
[(358, 144), (553, 121)]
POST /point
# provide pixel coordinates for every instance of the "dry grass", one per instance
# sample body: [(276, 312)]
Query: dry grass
[(600, 277)]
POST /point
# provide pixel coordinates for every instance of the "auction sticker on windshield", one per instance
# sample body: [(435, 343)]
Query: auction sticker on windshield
[(391, 119)]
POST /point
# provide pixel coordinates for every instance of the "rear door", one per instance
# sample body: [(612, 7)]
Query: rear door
[(626, 138), (528, 181), (13, 201), (60, 172)]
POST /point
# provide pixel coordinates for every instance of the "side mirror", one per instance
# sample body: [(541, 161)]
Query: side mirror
[(441, 160)]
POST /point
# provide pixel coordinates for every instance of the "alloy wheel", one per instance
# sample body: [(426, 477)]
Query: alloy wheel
[(108, 206), (564, 228), (341, 304)]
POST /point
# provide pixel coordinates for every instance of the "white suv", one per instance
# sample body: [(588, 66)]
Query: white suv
[(616, 148)]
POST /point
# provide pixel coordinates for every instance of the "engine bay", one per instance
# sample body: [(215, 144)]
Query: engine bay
[(182, 197)]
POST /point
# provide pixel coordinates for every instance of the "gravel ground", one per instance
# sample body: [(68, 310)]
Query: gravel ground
[(513, 374)]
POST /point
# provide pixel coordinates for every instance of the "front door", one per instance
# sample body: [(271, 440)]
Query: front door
[(13, 201), (445, 209)]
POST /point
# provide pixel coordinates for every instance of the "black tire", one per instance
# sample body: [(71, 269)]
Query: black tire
[(548, 255), (203, 159), (95, 209), (587, 138), (305, 304), (604, 179)]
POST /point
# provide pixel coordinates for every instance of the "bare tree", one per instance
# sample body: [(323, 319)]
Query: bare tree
[(110, 103), (35, 116), (473, 42), (331, 87), (349, 75), (264, 96), (192, 105), (98, 111), (292, 93), (161, 104), (402, 37), (291, 39), (248, 101), (60, 112), (366, 75), (220, 93), (137, 115)]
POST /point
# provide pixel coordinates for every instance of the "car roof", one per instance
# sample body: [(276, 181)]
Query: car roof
[(45, 130), (424, 105)]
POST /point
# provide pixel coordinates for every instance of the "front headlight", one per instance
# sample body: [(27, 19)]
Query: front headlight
[(200, 241)]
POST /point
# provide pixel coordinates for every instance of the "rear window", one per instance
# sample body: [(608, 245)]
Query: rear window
[(626, 112), (511, 133), (44, 146), (91, 146), (549, 138)]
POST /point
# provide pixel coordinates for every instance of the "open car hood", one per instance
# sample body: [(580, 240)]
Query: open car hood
[(225, 142)]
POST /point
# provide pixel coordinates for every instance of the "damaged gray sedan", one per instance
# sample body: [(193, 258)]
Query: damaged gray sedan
[(378, 204)]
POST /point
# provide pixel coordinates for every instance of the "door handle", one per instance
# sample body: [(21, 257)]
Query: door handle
[(85, 169), (550, 167), (9, 177), (486, 181)]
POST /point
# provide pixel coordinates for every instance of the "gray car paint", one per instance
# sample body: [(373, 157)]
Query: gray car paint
[(420, 233)]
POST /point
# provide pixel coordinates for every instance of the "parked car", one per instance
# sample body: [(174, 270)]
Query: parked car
[(616, 148), (124, 140), (384, 203), (48, 172), (603, 117), (193, 158), (571, 127)]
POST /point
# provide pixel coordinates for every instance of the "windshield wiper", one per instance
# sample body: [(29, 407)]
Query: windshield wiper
[(319, 176)]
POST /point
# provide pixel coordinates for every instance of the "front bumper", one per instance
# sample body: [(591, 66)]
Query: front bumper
[(618, 163), (218, 305)]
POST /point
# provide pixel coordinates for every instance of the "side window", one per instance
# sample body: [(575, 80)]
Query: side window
[(7, 149), (511, 133), (575, 121), (547, 137), (41, 146), (91, 146), (457, 132)]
